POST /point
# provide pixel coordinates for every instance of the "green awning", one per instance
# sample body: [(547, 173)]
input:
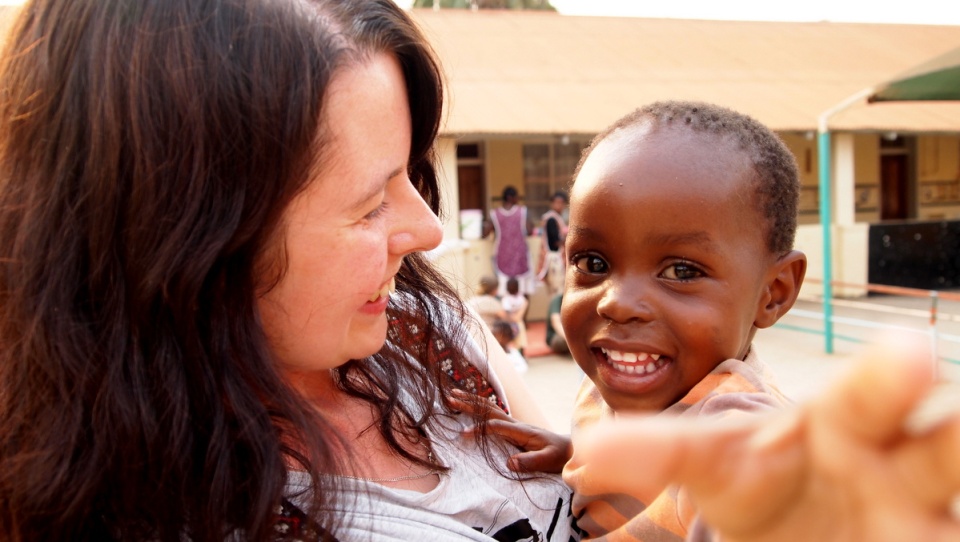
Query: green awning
[(936, 79)]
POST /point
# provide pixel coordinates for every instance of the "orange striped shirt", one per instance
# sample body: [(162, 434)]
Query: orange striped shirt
[(733, 387)]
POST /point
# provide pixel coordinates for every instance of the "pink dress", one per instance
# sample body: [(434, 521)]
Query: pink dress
[(510, 251), (511, 258)]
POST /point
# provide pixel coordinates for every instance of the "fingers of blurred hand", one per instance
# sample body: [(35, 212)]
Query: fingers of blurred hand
[(873, 399), (930, 465), (645, 454)]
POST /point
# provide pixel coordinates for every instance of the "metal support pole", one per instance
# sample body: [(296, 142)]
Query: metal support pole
[(934, 299), (824, 154)]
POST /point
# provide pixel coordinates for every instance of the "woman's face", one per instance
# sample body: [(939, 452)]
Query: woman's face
[(345, 236)]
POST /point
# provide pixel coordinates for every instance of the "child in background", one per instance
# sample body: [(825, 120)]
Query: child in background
[(553, 232), (504, 333), (515, 306), (682, 224), (486, 303)]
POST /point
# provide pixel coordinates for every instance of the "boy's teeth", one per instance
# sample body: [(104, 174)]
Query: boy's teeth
[(632, 362), (629, 357)]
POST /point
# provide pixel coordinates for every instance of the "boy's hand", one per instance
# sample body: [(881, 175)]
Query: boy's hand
[(844, 467), (543, 450)]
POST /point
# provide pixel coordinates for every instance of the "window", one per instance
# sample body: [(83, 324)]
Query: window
[(548, 167)]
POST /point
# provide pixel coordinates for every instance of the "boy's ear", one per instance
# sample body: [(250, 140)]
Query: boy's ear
[(785, 279)]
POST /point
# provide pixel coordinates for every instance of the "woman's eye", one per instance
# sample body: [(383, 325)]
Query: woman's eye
[(591, 264), (682, 271), (376, 212)]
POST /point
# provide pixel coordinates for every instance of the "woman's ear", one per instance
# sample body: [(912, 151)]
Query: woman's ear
[(784, 280)]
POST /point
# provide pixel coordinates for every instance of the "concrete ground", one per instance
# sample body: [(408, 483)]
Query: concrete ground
[(797, 358)]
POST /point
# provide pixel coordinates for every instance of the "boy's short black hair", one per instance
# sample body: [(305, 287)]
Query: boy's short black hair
[(776, 175), (509, 192), (560, 194)]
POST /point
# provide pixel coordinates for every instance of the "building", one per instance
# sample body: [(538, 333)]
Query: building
[(527, 90)]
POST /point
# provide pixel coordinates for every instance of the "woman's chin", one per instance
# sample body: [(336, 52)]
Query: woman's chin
[(371, 341)]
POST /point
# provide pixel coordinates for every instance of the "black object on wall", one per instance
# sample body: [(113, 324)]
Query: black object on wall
[(915, 254)]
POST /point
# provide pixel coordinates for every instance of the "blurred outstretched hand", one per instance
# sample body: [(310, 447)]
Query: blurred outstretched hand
[(846, 466)]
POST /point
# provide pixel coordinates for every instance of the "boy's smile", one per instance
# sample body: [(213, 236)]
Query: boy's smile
[(669, 269)]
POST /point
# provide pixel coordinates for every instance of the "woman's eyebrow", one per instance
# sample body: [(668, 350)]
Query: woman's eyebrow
[(375, 189)]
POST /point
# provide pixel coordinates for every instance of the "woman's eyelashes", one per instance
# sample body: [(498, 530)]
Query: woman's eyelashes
[(377, 212)]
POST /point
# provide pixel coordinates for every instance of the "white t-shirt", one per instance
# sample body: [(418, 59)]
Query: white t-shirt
[(472, 501)]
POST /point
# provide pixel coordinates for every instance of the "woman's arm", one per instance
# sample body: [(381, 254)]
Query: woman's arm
[(522, 405), (518, 396)]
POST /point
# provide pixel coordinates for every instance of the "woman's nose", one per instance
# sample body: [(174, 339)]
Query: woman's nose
[(624, 301), (417, 228)]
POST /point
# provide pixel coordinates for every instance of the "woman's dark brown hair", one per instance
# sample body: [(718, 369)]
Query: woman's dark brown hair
[(147, 151)]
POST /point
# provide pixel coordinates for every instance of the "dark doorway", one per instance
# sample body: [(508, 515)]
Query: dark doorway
[(893, 187), (471, 187)]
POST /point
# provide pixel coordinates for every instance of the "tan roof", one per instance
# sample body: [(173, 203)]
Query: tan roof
[(532, 72)]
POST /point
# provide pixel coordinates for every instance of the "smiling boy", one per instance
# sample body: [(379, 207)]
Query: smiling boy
[(680, 248)]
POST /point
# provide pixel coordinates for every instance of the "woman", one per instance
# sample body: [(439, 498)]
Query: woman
[(206, 209)]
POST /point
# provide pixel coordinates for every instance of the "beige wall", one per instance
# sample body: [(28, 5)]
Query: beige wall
[(867, 180), (504, 166), (803, 145), (446, 150), (849, 258), (938, 177)]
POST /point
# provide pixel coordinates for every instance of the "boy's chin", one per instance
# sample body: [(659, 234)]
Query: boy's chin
[(631, 403)]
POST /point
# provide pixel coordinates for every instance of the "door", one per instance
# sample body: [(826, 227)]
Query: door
[(471, 187), (893, 187)]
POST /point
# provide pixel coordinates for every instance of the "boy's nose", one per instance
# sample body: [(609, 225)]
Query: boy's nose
[(624, 302)]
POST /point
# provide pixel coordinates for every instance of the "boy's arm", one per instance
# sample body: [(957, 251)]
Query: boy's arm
[(541, 450), (844, 467)]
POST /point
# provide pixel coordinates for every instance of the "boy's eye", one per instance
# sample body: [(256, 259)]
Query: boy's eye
[(682, 271), (590, 264)]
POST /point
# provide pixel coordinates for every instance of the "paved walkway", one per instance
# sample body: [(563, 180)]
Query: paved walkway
[(797, 359)]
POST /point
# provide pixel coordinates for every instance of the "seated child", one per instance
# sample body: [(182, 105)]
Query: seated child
[(486, 303), (682, 224), (505, 334), (515, 307)]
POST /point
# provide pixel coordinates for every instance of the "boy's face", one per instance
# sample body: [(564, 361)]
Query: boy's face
[(669, 264)]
